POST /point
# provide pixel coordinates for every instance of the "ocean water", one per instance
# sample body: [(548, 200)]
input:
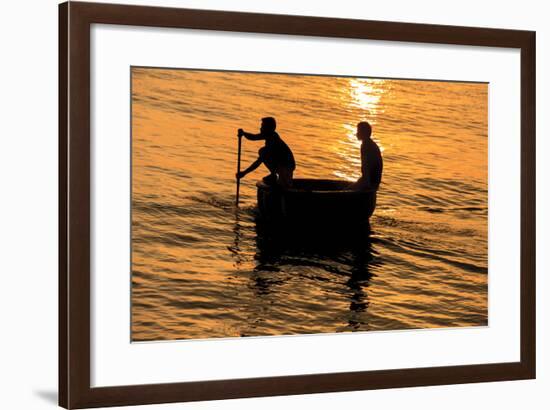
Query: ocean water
[(202, 268)]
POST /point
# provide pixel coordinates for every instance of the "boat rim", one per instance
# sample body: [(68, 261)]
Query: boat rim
[(261, 184)]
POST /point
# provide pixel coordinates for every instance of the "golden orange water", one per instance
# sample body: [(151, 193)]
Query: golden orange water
[(202, 269)]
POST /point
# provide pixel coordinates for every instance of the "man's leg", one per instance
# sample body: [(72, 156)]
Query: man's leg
[(270, 179), (285, 177)]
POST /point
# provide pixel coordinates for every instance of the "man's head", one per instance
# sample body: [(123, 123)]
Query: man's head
[(268, 125), (364, 130)]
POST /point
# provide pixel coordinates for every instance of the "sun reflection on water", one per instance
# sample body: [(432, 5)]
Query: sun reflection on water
[(366, 93)]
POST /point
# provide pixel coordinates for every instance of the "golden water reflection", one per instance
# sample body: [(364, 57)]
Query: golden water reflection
[(366, 94), (200, 271)]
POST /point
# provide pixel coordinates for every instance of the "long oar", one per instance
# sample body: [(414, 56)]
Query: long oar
[(238, 170)]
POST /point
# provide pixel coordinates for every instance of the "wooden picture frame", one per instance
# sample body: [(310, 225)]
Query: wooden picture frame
[(75, 20)]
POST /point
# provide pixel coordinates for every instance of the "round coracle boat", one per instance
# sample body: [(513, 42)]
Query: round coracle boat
[(317, 201)]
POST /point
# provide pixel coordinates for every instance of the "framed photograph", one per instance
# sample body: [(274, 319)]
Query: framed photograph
[(257, 205)]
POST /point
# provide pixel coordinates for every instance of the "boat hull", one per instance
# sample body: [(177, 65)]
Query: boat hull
[(316, 202)]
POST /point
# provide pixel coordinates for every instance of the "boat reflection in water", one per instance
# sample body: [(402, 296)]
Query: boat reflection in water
[(333, 258)]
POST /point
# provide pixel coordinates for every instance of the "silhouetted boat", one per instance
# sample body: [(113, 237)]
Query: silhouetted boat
[(318, 202)]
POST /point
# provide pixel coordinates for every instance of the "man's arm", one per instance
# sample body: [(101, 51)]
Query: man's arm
[(249, 136), (374, 165), (251, 168)]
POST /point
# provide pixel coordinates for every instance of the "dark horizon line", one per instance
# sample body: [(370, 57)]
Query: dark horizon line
[(305, 74)]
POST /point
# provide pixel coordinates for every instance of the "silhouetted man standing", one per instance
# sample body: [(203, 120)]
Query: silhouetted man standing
[(275, 155), (371, 160)]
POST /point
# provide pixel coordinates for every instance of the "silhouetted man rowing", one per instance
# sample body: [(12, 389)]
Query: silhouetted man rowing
[(371, 160), (275, 155)]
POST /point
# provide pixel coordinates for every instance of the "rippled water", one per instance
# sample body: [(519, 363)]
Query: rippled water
[(202, 269)]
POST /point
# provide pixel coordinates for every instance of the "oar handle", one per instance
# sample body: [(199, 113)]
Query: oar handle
[(238, 168)]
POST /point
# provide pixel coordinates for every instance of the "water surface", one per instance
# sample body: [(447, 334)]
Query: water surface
[(202, 269)]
